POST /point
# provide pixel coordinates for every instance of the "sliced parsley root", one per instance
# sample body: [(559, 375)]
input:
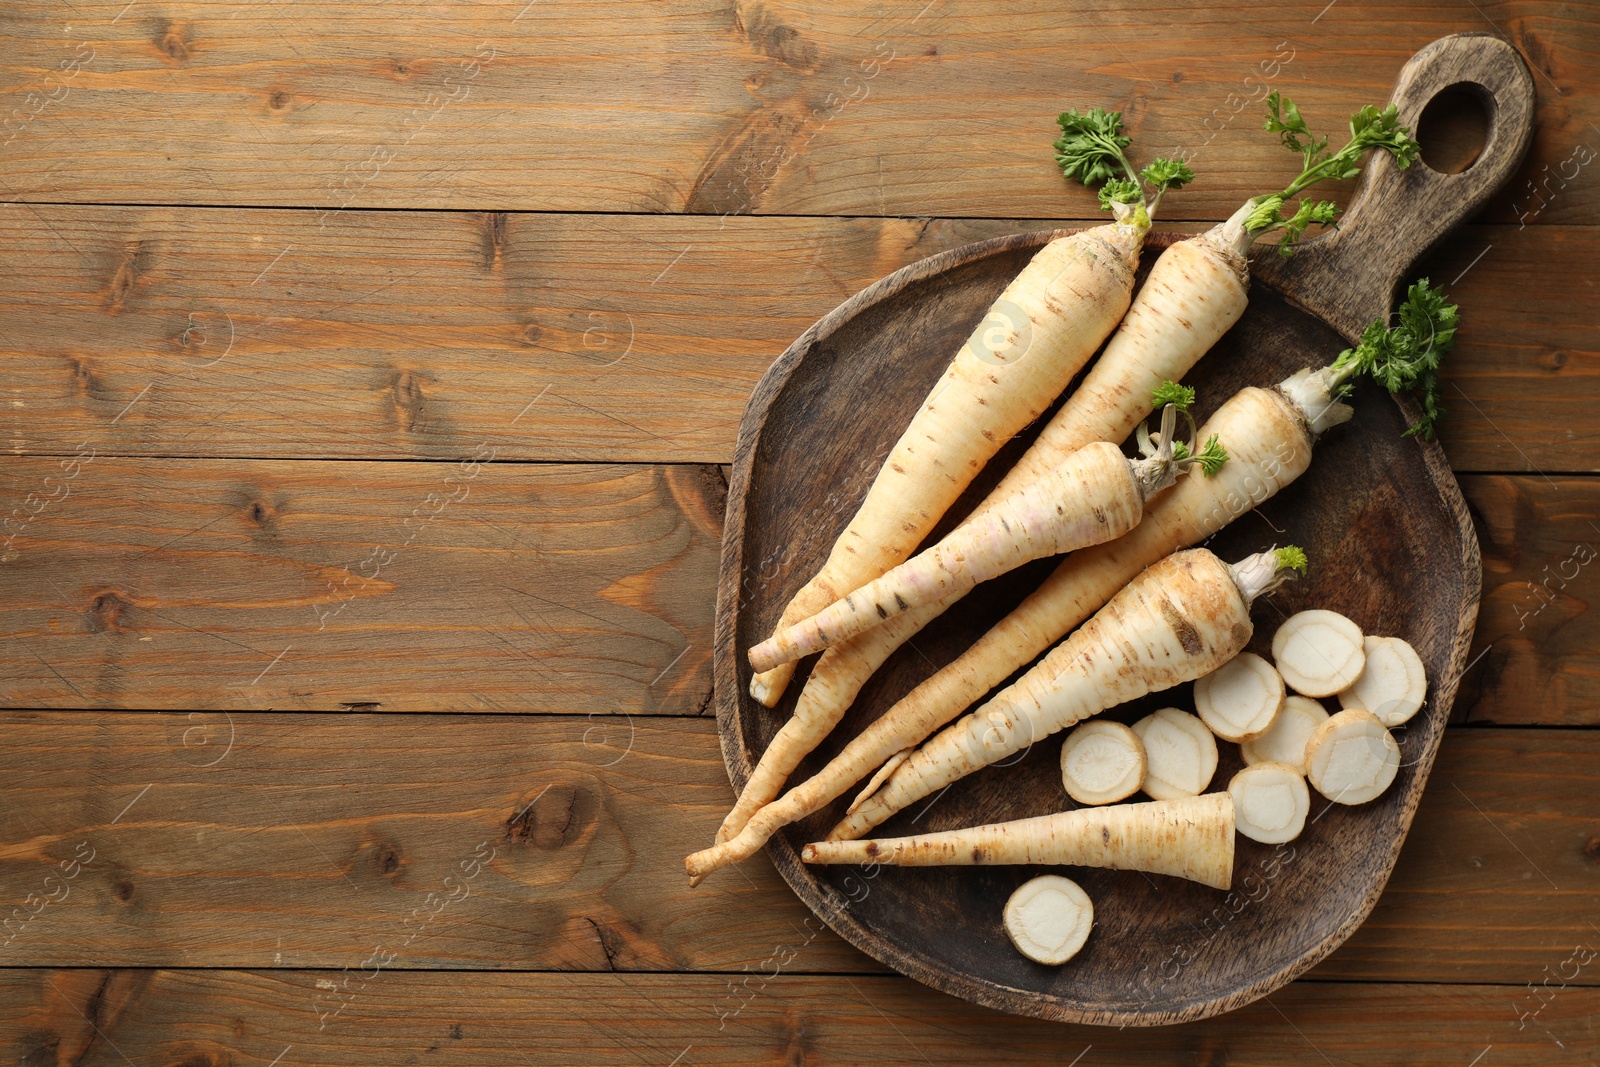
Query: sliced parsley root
[(1049, 918), (1270, 802)]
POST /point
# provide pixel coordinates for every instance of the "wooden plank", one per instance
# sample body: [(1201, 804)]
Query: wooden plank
[(612, 584), (407, 586), (786, 108), (1536, 630), (416, 335), (156, 331), (89, 1017), (289, 841)]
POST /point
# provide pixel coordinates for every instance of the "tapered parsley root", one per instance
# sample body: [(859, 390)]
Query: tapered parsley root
[(1270, 802), (1101, 763), (1241, 699), (1179, 619), (1268, 447), (1351, 758), (1034, 340), (1198, 288), (1269, 435), (1393, 683), (1190, 838), (1286, 741), (1180, 754), (1094, 496), (1318, 652), (1049, 918), (828, 693)]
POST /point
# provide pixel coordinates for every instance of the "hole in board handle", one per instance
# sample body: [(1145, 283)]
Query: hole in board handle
[(1454, 128)]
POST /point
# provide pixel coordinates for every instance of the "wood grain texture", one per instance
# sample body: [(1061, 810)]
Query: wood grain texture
[(1540, 540), (414, 335), (89, 1018), (311, 839), (420, 587), (261, 334), (70, 566), (787, 108), (177, 336)]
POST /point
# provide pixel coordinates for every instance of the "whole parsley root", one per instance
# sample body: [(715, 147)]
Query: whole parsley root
[(1032, 342), (1095, 495), (1191, 838), (1270, 435), (1178, 620)]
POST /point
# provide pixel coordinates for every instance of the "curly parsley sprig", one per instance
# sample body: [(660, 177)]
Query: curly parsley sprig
[(1370, 130), (1210, 458), (1092, 149), (1292, 558), (1170, 392), (1404, 358)]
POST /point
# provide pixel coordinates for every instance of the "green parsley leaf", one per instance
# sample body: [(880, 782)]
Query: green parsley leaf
[(1179, 396), (1090, 148), (1292, 558), (1405, 358), (1119, 191)]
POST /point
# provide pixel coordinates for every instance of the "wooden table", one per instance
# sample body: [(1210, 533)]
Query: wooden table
[(370, 370)]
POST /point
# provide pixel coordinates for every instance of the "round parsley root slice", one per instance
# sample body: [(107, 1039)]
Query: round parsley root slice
[(1102, 762), (1392, 684), (1240, 699), (1286, 741), (1270, 802), (1048, 918), (1351, 758), (1318, 652), (1180, 754)]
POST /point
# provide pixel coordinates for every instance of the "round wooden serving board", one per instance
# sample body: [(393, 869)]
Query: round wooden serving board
[(1380, 516)]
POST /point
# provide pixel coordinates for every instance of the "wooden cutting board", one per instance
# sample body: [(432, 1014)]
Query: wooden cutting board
[(1379, 514)]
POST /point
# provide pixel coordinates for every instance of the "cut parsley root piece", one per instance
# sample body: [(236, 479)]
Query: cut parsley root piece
[(1191, 838), (1102, 762), (1270, 802), (1049, 918), (1286, 741), (1351, 758), (1241, 699), (1392, 684), (1180, 754), (1318, 652)]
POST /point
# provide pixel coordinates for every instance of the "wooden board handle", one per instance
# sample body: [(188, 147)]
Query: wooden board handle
[(1350, 275)]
